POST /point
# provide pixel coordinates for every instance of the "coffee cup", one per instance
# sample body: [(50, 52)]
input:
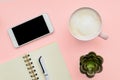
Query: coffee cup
[(85, 24)]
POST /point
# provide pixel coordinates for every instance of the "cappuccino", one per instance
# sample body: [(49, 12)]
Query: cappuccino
[(85, 24)]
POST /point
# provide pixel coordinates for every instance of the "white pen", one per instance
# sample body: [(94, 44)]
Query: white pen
[(42, 64)]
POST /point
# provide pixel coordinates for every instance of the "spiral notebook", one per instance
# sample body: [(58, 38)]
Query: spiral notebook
[(27, 67)]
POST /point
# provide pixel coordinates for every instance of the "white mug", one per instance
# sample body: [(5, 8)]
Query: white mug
[(86, 24)]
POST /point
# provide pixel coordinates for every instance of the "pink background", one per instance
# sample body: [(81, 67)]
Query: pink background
[(14, 12)]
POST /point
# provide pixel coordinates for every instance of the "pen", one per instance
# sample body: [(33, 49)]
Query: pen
[(42, 64)]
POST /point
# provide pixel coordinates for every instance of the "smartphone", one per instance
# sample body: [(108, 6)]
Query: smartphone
[(30, 30)]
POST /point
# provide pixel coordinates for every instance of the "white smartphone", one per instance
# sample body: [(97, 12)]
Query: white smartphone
[(30, 30)]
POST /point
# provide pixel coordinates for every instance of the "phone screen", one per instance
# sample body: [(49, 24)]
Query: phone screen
[(30, 30)]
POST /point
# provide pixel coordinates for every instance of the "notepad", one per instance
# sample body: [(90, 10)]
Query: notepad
[(27, 67)]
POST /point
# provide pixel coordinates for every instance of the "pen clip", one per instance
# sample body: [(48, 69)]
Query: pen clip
[(41, 64)]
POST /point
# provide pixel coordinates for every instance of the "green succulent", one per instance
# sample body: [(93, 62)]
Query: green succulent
[(91, 64)]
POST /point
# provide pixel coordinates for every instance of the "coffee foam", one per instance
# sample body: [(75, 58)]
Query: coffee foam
[(85, 23)]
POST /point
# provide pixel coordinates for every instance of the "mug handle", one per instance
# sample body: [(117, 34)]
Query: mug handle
[(103, 36)]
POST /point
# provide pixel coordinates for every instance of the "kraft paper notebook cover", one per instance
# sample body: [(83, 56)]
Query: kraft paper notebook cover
[(54, 63)]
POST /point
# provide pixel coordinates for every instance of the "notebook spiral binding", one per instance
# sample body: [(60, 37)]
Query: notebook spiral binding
[(30, 67)]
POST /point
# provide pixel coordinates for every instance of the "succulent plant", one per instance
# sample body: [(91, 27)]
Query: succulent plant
[(90, 64)]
